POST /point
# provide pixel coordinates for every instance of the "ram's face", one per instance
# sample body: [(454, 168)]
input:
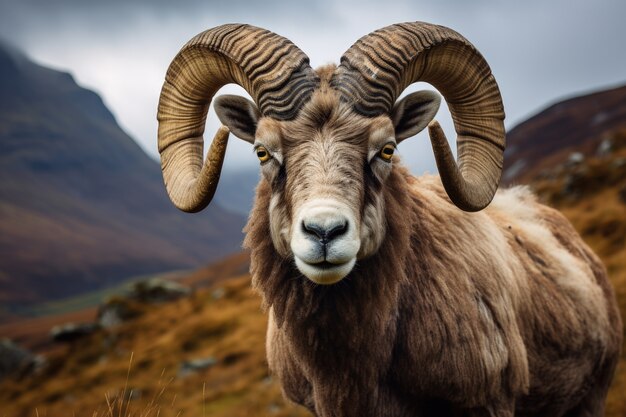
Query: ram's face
[(326, 170), (325, 137)]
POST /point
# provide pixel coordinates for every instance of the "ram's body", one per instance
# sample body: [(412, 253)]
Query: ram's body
[(507, 308), (386, 299)]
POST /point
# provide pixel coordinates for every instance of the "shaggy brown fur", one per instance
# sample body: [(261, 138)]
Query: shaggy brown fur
[(497, 313), (457, 313)]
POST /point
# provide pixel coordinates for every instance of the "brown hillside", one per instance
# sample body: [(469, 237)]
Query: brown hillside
[(576, 125), (222, 325)]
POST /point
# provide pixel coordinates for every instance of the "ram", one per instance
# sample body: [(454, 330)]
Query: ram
[(388, 294)]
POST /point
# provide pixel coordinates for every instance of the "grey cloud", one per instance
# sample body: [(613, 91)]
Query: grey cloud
[(18, 18), (539, 51)]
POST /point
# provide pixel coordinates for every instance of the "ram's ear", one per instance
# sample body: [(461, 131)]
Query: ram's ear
[(413, 113), (240, 115)]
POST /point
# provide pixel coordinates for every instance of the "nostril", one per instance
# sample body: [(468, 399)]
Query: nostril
[(325, 235), (338, 230), (314, 229)]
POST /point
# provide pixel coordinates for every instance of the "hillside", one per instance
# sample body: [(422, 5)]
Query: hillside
[(237, 189), (200, 355), (578, 124), (81, 205)]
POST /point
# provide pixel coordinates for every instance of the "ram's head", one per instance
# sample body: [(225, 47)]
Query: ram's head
[(326, 138)]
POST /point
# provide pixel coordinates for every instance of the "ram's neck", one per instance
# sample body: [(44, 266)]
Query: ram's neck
[(348, 333), (323, 317)]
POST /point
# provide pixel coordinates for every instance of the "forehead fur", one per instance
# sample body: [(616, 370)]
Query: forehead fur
[(325, 113)]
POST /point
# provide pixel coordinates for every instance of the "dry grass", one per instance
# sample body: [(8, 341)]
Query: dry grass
[(33, 333), (135, 370)]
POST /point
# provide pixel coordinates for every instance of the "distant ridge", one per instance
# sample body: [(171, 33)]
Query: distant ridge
[(576, 124), (81, 205)]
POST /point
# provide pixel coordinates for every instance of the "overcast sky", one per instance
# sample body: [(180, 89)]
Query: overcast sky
[(539, 51)]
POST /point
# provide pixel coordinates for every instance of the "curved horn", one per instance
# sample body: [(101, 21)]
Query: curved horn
[(269, 67), (379, 66)]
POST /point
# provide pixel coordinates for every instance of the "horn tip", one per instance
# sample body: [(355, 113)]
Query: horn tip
[(434, 124), (223, 131)]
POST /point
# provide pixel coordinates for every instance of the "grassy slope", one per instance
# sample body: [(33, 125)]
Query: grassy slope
[(227, 325)]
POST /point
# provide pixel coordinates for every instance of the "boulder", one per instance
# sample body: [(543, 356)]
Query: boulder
[(16, 361), (70, 332), (117, 310), (158, 290), (574, 159), (193, 366)]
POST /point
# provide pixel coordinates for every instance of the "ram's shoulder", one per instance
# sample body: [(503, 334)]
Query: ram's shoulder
[(429, 187), (518, 200)]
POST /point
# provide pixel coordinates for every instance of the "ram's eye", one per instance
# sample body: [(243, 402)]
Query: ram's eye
[(262, 154), (386, 153)]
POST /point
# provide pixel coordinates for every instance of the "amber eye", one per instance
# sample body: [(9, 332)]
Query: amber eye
[(262, 154), (387, 151)]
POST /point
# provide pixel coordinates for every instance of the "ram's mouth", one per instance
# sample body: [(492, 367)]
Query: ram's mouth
[(325, 265), (325, 273)]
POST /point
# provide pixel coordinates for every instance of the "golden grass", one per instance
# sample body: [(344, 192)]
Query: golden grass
[(134, 370)]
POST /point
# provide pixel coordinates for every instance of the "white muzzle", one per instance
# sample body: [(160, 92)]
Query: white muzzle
[(325, 240)]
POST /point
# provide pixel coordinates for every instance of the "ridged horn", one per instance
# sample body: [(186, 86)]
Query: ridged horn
[(275, 73), (378, 67)]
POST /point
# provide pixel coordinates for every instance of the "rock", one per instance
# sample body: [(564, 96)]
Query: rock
[(17, 361), (600, 118), (574, 182), (512, 171), (193, 366), (618, 163), (158, 290), (218, 293), (135, 394), (606, 147), (70, 332), (575, 158), (117, 310)]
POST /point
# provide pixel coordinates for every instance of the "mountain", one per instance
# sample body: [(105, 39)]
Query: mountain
[(237, 189), (578, 125), (81, 205)]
